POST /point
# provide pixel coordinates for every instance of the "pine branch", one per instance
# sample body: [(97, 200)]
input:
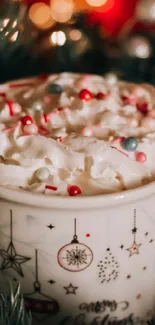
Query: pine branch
[(12, 309)]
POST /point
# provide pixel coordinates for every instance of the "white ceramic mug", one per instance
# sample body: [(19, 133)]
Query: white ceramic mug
[(82, 260)]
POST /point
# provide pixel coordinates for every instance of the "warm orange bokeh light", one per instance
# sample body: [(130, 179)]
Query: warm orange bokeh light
[(62, 10), (96, 3), (39, 13)]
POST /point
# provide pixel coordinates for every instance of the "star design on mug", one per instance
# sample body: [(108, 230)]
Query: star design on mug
[(134, 249), (12, 260), (70, 289), (50, 226)]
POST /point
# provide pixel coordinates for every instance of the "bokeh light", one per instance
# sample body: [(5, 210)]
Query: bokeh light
[(39, 13), (75, 35), (58, 38), (96, 3), (62, 10)]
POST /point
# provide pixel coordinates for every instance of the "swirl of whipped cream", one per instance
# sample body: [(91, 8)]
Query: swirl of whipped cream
[(75, 140)]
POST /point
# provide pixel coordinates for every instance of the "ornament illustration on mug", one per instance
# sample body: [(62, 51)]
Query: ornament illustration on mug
[(10, 257), (41, 306), (108, 268), (75, 256), (134, 249)]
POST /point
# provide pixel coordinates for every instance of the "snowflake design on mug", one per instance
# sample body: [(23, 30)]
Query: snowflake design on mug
[(75, 256)]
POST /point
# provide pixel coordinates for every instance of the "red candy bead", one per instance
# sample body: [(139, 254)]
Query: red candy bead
[(85, 94), (143, 108), (100, 96), (141, 157), (60, 109), (129, 100), (59, 139), (26, 120), (118, 140), (74, 190)]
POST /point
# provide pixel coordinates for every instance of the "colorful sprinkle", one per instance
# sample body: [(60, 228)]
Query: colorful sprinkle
[(55, 89), (129, 100), (10, 105), (59, 139), (74, 190), (143, 108), (3, 95), (100, 96), (43, 130), (130, 144), (50, 187), (21, 85), (26, 120), (45, 118), (42, 174), (85, 94), (141, 157), (118, 140)]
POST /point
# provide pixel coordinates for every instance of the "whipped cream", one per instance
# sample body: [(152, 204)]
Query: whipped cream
[(67, 131)]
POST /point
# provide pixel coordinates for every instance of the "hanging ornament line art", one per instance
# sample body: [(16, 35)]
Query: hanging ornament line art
[(37, 301), (134, 249), (10, 257), (75, 256)]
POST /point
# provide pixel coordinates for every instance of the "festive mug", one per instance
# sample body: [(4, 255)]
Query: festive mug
[(83, 260)]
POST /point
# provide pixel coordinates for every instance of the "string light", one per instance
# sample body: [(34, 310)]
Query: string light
[(62, 10), (39, 13), (14, 24), (58, 38), (96, 3), (13, 38), (6, 21)]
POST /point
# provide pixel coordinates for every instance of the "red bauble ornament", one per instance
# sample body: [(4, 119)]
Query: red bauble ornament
[(26, 120), (74, 190), (85, 94)]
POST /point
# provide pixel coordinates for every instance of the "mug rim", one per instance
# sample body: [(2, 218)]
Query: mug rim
[(79, 202)]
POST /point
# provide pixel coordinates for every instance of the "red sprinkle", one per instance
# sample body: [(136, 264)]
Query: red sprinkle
[(85, 94), (21, 85), (129, 100), (26, 120), (43, 76), (43, 130), (141, 157), (118, 140), (143, 108), (50, 187), (100, 96), (60, 109), (87, 235), (10, 105), (59, 139), (74, 190), (45, 118), (3, 95)]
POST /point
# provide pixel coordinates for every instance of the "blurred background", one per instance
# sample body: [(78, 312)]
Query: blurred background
[(94, 36)]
